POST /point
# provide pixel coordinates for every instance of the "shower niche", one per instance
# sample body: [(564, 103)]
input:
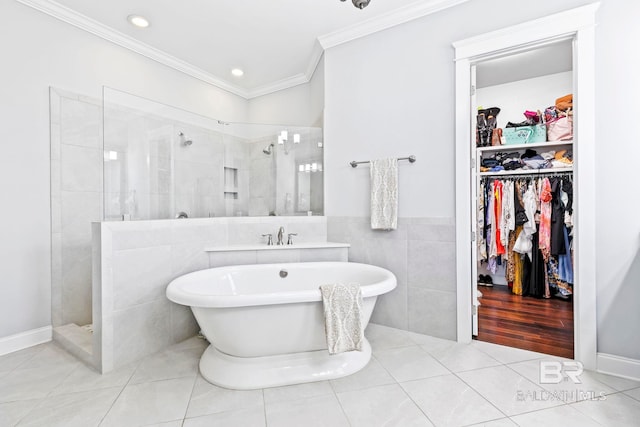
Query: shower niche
[(127, 158)]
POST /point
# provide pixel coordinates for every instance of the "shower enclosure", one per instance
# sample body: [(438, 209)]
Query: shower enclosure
[(123, 158), (162, 162)]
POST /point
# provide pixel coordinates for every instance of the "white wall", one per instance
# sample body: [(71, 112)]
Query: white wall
[(531, 94), (300, 105), (39, 51), (618, 196), (391, 94)]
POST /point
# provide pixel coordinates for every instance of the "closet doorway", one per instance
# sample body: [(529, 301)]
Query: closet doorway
[(523, 299), (573, 29)]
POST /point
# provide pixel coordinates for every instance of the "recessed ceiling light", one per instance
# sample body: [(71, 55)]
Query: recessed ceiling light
[(237, 72), (138, 21)]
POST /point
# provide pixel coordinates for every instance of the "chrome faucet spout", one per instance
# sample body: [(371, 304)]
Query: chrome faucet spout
[(280, 236)]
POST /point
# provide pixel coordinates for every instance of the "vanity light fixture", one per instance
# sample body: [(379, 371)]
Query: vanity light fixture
[(237, 72), (138, 21), (296, 138), (284, 135)]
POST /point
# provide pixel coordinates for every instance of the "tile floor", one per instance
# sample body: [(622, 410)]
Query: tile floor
[(412, 380)]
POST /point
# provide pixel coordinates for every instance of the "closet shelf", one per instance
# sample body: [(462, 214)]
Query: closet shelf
[(527, 172), (509, 147)]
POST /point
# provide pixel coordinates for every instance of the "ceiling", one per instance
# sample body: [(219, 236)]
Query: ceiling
[(277, 43)]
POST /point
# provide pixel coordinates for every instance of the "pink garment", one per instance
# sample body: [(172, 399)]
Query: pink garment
[(544, 240), (498, 212)]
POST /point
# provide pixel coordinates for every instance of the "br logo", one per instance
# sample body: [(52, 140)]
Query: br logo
[(552, 372)]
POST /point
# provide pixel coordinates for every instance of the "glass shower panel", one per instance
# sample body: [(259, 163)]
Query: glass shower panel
[(161, 162)]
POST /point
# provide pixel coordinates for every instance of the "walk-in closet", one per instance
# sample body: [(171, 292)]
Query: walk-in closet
[(523, 199)]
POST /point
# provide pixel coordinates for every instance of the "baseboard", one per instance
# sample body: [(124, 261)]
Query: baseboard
[(619, 366), (25, 339)]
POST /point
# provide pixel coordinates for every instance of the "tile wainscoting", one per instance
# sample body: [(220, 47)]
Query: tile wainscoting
[(134, 261), (421, 253)]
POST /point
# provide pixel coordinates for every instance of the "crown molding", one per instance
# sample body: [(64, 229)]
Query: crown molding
[(316, 56), (399, 16), (286, 83), (550, 28), (92, 26), (396, 17)]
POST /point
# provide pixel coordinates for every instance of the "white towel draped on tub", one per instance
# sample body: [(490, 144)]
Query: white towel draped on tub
[(384, 194), (342, 318)]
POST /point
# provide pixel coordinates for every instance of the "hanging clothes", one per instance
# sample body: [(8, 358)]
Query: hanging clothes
[(527, 216), (492, 264), (544, 241), (482, 242), (507, 219), (497, 188), (565, 268), (557, 246)]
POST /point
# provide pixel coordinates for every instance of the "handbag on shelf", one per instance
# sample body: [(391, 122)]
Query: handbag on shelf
[(560, 128), (496, 137), (525, 134)]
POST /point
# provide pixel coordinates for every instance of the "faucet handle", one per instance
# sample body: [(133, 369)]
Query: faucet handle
[(289, 239), (269, 239)]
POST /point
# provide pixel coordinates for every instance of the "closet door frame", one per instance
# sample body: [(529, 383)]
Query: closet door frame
[(577, 24)]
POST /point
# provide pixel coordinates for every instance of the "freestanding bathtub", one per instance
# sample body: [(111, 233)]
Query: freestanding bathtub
[(265, 322)]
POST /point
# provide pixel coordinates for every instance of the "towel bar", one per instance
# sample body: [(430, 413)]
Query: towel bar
[(355, 164)]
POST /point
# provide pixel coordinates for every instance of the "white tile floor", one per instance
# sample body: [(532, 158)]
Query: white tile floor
[(412, 380)]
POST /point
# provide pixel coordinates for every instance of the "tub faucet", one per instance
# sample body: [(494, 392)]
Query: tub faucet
[(280, 236)]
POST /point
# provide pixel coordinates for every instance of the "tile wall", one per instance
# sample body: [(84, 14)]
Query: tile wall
[(421, 253), (262, 178), (136, 260), (76, 201)]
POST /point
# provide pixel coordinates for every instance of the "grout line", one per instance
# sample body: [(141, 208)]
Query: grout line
[(37, 405), (628, 395), (575, 406), (335, 395), (264, 409), (489, 421), (480, 394), (15, 368), (119, 394), (415, 403), (193, 387)]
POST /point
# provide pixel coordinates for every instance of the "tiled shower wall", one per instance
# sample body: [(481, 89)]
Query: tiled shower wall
[(421, 253), (76, 201), (136, 260)]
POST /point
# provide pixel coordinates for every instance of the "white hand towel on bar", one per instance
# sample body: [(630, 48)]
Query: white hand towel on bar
[(342, 317), (384, 194)]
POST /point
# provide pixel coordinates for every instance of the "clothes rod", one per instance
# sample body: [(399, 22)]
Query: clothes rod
[(532, 174), (355, 164)]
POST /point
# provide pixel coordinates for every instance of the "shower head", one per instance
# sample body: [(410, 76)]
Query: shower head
[(267, 149), (184, 141)]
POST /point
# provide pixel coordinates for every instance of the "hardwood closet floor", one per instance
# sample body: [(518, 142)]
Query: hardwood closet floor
[(542, 325)]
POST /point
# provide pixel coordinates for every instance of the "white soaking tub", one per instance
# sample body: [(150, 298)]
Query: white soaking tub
[(267, 330)]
